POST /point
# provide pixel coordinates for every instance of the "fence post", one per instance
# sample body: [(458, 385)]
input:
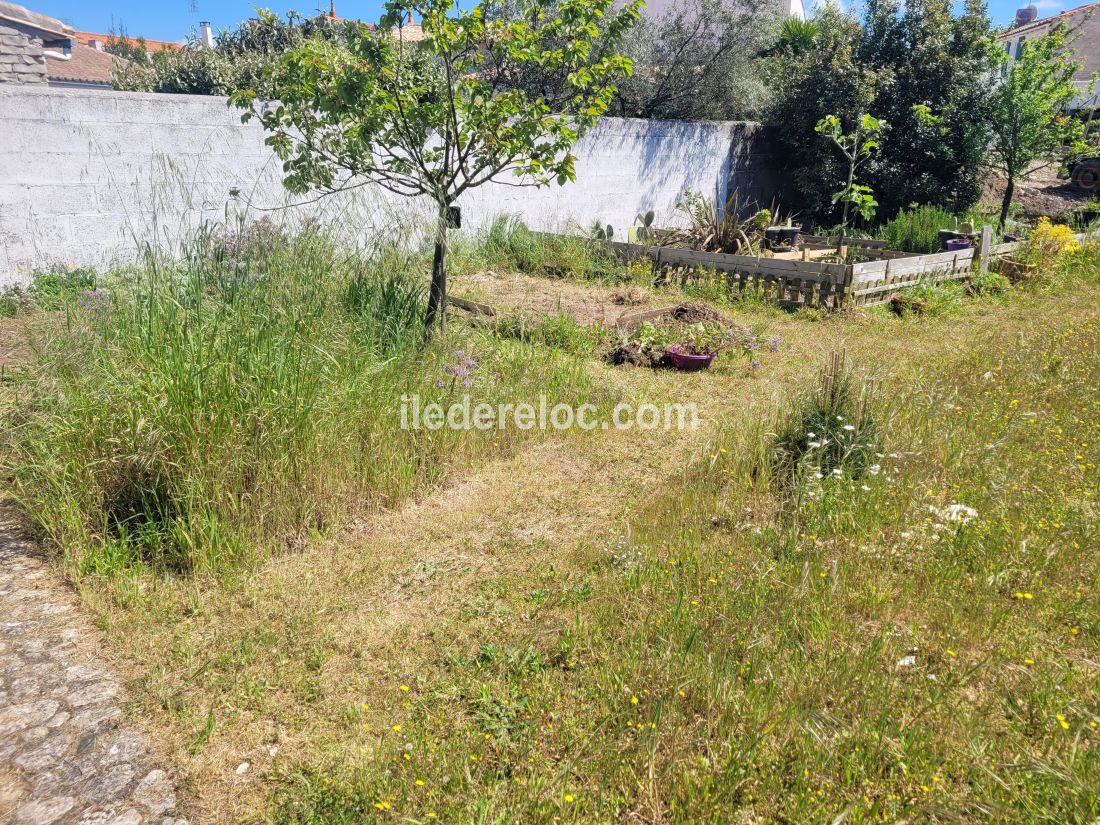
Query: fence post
[(984, 245)]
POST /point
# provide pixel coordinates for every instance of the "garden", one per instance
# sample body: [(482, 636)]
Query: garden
[(862, 589)]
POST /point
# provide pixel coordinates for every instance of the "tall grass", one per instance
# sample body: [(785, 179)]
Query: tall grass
[(917, 230), (193, 415), (508, 244), (919, 649)]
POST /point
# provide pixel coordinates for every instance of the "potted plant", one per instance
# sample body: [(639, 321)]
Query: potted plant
[(698, 348)]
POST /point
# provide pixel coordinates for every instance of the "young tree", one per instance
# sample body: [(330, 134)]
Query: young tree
[(445, 115), (1028, 122), (857, 147)]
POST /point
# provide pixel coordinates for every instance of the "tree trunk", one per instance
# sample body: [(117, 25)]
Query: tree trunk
[(1010, 189), (437, 293), (848, 193)]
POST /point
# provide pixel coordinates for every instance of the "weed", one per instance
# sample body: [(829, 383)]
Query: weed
[(830, 431), (218, 409)]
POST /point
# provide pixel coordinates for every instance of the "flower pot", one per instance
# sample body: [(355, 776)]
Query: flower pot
[(948, 235), (782, 238), (689, 362), (956, 245)]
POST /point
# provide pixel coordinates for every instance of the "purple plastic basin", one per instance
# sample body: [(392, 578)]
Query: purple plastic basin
[(687, 361), (956, 245)]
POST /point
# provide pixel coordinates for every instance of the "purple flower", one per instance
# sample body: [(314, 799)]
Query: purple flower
[(756, 365), (440, 383), (95, 300), (774, 343)]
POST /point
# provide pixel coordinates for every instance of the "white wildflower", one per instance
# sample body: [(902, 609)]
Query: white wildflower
[(955, 513), (849, 427)]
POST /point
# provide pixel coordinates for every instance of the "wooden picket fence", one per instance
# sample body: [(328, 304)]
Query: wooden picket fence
[(814, 283)]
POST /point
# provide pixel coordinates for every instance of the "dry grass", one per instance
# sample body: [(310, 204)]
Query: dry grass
[(271, 666)]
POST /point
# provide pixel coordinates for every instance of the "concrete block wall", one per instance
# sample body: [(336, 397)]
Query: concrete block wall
[(21, 57), (91, 177)]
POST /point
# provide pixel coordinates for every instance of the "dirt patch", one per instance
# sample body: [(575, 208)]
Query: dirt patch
[(637, 353), (1042, 194), (13, 342), (587, 303)]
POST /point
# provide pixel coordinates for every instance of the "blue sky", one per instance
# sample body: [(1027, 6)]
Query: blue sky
[(173, 19)]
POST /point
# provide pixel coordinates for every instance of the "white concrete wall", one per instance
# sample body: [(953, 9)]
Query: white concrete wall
[(88, 177)]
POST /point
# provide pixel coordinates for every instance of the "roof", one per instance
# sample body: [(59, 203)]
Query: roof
[(1053, 20), (86, 38), (87, 65), (20, 15)]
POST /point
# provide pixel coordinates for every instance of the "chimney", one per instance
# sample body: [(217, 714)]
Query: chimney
[(332, 9), (1026, 15), (411, 22), (206, 34), (96, 44)]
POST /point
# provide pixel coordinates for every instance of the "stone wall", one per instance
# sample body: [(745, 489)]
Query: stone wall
[(21, 58), (89, 177)]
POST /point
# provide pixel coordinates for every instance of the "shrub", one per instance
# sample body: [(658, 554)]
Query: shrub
[(1048, 242), (917, 230)]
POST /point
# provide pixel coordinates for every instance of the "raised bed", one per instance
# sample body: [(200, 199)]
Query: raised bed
[(813, 283)]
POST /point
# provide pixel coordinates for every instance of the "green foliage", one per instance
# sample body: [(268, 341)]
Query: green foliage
[(829, 432), (857, 147), (917, 230), (797, 37), (713, 229), (931, 299), (688, 71), (810, 84), (242, 57), (1027, 119), (508, 244), (918, 68), (443, 116)]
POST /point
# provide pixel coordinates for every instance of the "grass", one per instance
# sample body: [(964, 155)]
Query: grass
[(581, 629), (508, 244), (196, 416), (881, 653)]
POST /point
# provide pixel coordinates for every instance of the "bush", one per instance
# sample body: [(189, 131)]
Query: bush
[(225, 406), (1047, 243), (917, 230)]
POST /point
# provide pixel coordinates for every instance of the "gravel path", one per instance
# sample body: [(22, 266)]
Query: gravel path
[(66, 756)]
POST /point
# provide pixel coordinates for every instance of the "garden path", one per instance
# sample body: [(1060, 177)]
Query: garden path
[(67, 755)]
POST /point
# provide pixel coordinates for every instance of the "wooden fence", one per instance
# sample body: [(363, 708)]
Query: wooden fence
[(814, 283)]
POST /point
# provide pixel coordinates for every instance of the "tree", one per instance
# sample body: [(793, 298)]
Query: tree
[(242, 57), (698, 61), (1028, 122), (857, 147), (812, 80), (934, 69), (913, 64), (443, 116), (120, 44)]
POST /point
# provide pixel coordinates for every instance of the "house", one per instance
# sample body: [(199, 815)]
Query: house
[(1083, 21), (27, 41), (41, 50)]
